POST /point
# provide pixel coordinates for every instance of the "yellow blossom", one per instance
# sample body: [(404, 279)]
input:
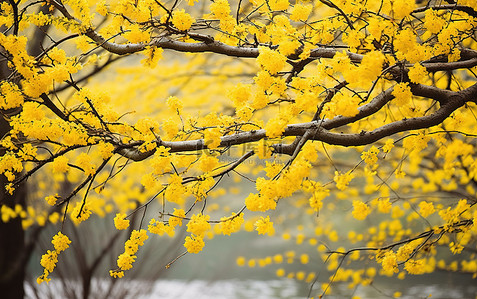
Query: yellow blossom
[(182, 20), (342, 180), (417, 73), (360, 210), (270, 60), (198, 224), (60, 242), (212, 138), (264, 226), (120, 222), (194, 243), (426, 208)]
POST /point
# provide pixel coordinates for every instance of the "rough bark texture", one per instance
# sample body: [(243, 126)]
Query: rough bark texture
[(12, 272)]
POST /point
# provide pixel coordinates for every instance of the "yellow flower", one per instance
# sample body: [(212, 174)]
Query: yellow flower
[(426, 208), (433, 22), (389, 262), (80, 213), (49, 260), (402, 94), (264, 226), (275, 127), (116, 273), (106, 150), (198, 224), (60, 164), (388, 145), (271, 60), (404, 252), (371, 156), (182, 20), (220, 8), (60, 242), (415, 266), (384, 206), (301, 12), (240, 261), (51, 200), (360, 210), (125, 261), (231, 224), (417, 73), (403, 8), (84, 162), (174, 103), (10, 96), (342, 180), (159, 228), (120, 222), (208, 163), (194, 244), (279, 4), (136, 34), (177, 220), (212, 138)]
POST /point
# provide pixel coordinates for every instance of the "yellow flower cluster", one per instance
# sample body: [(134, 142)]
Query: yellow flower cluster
[(275, 127), (426, 208), (301, 12), (417, 72), (452, 215), (194, 244), (50, 258), (264, 226), (80, 213), (10, 164), (153, 55), (360, 210), (414, 266), (257, 202), (370, 157), (176, 191), (182, 20), (177, 217), (159, 228), (433, 22), (60, 164), (208, 163), (136, 34), (271, 60), (212, 138), (51, 200), (220, 9), (402, 94), (318, 194), (174, 104), (342, 180), (126, 259), (198, 224), (120, 222), (389, 263), (10, 96), (231, 224)]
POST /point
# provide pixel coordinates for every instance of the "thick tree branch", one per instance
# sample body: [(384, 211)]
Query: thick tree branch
[(449, 100), (448, 66)]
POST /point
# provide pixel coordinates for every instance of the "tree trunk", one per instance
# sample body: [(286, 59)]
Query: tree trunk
[(12, 241), (14, 253)]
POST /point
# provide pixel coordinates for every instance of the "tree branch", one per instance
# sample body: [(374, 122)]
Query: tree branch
[(449, 100)]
